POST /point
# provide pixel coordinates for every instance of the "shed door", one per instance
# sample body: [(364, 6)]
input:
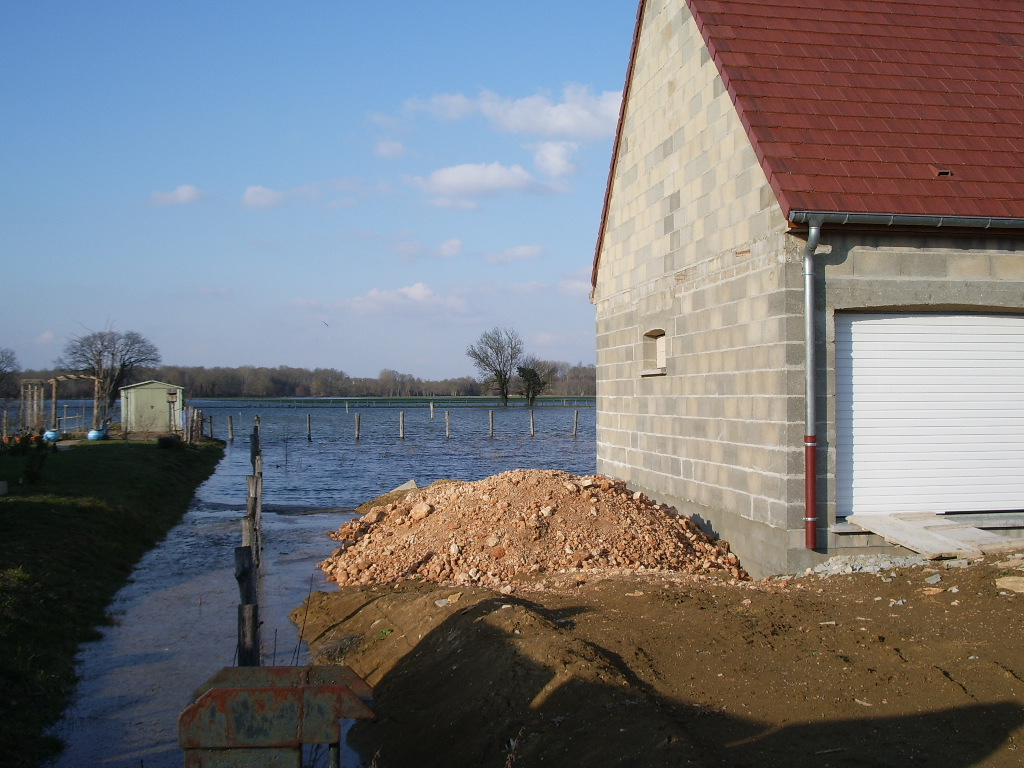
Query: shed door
[(929, 413)]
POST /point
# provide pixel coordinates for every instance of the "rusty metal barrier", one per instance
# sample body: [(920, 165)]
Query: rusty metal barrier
[(263, 716)]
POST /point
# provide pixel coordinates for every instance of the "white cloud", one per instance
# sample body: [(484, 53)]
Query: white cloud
[(530, 289), (261, 197), (578, 115), (389, 149), (574, 287), (45, 337), (182, 195), (518, 253), (447, 106), (415, 299), (555, 158), (411, 249), (460, 185), (450, 248)]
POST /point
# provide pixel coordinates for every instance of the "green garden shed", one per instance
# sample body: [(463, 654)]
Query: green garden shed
[(152, 406)]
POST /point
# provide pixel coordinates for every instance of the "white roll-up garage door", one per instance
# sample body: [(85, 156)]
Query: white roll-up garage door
[(929, 413)]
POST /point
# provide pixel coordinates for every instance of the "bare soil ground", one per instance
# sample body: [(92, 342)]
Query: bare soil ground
[(643, 653)]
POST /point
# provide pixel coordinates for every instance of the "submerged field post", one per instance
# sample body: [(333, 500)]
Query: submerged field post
[(357, 426), (211, 427), (533, 432), (431, 410), (401, 425), (231, 429), (575, 422), (490, 423), (309, 428), (447, 425)]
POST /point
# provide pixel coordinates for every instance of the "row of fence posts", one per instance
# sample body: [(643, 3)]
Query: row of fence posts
[(401, 425), (247, 559), (448, 424)]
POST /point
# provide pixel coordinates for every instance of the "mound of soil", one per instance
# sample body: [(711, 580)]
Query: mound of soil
[(514, 529), (540, 619), (648, 669)]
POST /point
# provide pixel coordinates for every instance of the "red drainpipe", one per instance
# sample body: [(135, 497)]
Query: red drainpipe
[(811, 491)]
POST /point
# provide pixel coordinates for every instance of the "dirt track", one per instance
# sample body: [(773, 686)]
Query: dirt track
[(614, 667)]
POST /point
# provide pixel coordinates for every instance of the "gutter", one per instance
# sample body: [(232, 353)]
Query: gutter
[(906, 220)]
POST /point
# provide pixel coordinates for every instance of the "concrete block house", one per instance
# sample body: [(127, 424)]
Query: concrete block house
[(809, 275)]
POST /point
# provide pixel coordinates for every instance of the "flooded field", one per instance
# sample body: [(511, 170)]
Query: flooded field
[(174, 624)]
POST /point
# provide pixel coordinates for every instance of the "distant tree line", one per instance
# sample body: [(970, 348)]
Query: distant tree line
[(566, 380), (100, 362)]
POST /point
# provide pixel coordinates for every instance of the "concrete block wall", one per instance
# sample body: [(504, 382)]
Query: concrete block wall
[(695, 245)]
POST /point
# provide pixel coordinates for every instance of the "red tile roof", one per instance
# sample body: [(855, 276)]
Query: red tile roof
[(878, 106)]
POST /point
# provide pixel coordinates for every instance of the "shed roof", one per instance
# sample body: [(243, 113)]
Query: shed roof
[(892, 107), (151, 383)]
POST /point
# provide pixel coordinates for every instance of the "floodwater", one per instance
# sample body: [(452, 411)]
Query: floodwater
[(174, 625)]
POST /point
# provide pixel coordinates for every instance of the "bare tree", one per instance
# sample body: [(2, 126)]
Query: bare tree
[(495, 356), (8, 367), (110, 357)]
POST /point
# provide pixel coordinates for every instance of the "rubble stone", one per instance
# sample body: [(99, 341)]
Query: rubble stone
[(521, 524)]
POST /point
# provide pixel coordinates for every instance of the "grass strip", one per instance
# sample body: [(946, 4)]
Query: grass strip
[(72, 526)]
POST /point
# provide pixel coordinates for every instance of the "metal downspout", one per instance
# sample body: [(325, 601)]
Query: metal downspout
[(810, 392)]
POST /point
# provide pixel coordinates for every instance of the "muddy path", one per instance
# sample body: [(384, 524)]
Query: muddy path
[(889, 669), (538, 618)]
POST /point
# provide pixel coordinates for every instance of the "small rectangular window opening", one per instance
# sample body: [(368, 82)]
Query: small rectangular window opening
[(655, 351)]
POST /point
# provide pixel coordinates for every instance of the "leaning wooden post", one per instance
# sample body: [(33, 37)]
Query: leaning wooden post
[(53, 401), (575, 422), (490, 423), (309, 428), (248, 610), (357, 426), (95, 403), (447, 425), (401, 425), (533, 432)]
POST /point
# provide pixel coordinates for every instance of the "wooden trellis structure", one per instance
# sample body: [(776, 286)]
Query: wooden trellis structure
[(33, 401)]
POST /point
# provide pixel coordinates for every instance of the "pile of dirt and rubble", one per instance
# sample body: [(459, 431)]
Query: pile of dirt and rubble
[(518, 528)]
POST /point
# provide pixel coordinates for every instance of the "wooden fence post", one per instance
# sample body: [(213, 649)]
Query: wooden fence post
[(575, 422), (401, 425), (533, 432), (447, 425), (357, 426), (248, 610), (490, 423)]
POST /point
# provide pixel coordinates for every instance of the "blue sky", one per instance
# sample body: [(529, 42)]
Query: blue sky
[(343, 184)]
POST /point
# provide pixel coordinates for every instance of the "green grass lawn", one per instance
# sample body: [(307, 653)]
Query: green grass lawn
[(72, 526)]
